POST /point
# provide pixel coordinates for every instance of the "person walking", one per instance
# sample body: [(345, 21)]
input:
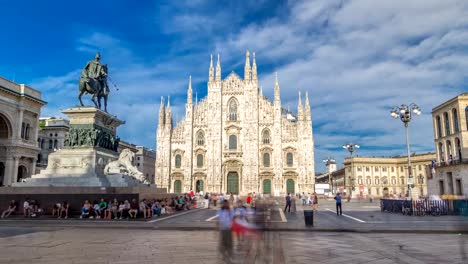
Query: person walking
[(226, 216), (315, 202), (338, 204), (288, 203)]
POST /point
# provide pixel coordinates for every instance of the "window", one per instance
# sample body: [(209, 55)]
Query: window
[(368, 181), (441, 152), (289, 159), (51, 144), (393, 181), (459, 187), (393, 169), (138, 164), (441, 187), (447, 124), (401, 169), (266, 159), (376, 169), (466, 116), (402, 180), (26, 133), (138, 158), (419, 167), (199, 161), (456, 127), (23, 129), (439, 126), (377, 181), (359, 180), (55, 144), (200, 138), (233, 110), (359, 168), (55, 134), (384, 169), (420, 179), (367, 169), (178, 161), (232, 142), (266, 136)]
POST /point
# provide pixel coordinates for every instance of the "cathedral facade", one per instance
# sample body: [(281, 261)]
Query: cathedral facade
[(236, 140)]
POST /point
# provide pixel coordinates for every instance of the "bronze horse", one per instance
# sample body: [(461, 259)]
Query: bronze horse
[(97, 87)]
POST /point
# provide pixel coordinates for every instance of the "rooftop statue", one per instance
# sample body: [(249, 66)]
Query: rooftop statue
[(93, 81)]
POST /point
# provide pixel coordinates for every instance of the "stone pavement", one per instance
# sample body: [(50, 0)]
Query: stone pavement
[(82, 245)]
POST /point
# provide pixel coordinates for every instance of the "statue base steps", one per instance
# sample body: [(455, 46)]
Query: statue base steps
[(81, 166)]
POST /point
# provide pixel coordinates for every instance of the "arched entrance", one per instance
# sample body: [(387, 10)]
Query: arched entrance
[(233, 183), (290, 188), (2, 173), (199, 186), (177, 186), (266, 186), (4, 128), (22, 173), (385, 191)]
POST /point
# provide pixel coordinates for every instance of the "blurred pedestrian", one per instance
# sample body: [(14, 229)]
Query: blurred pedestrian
[(225, 215), (315, 202), (288, 203), (338, 204)]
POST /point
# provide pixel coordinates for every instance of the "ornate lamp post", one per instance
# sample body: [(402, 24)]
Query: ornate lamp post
[(405, 112), (351, 148), (328, 162)]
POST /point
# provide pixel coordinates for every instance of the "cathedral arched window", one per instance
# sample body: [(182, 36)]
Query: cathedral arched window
[(266, 159), (233, 110), (200, 138), (289, 159), (266, 136), (447, 124), (199, 161), (232, 142), (178, 161), (439, 127), (456, 127)]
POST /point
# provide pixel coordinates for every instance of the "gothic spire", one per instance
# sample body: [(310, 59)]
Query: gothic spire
[(161, 113), (247, 66), (307, 107), (189, 91), (277, 88), (254, 68), (218, 70), (211, 71), (168, 113), (300, 109)]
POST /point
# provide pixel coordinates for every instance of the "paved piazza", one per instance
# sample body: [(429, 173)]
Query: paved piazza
[(81, 245)]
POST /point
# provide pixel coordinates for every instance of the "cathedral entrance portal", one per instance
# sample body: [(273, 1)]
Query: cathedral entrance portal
[(290, 186), (177, 186), (266, 186), (233, 183), (199, 186)]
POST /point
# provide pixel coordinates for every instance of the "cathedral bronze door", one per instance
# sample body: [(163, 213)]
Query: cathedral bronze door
[(266, 186), (233, 183), (199, 186), (290, 186), (177, 186)]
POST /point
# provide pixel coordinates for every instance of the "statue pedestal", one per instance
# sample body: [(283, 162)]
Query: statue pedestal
[(90, 145)]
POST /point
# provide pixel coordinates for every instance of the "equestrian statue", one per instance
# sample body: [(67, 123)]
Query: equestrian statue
[(93, 81)]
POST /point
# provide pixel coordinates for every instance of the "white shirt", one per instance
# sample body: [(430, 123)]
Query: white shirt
[(26, 205)]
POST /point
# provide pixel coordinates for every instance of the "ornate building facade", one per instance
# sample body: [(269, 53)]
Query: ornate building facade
[(20, 108), (236, 140)]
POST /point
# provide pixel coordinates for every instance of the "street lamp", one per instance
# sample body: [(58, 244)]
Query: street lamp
[(328, 162), (351, 148), (405, 112)]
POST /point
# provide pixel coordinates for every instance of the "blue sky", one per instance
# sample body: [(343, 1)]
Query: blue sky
[(356, 58)]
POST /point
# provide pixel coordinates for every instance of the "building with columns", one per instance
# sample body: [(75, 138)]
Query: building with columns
[(52, 132), (20, 108), (450, 122), (236, 140), (145, 159), (378, 176)]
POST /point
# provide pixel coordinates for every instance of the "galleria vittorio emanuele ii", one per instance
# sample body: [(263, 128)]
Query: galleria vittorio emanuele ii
[(235, 140)]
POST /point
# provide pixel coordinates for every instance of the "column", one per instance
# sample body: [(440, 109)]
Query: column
[(20, 123), (11, 170), (33, 167)]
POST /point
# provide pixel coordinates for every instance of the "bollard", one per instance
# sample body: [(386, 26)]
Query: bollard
[(309, 217)]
